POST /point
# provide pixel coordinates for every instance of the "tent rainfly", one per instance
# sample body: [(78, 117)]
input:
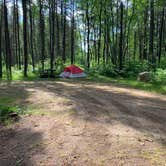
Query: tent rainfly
[(72, 72)]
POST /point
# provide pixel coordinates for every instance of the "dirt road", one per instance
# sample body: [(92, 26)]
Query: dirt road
[(83, 124)]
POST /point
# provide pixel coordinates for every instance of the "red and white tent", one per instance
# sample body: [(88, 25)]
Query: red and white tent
[(72, 72)]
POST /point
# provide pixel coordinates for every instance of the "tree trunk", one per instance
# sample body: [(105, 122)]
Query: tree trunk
[(117, 28), (161, 35), (145, 33), (24, 4), (58, 31), (72, 33), (121, 38), (0, 42), (64, 34), (151, 39), (42, 33), (100, 31), (140, 43), (7, 43), (14, 43), (31, 34), (135, 45), (52, 35), (88, 35), (18, 36)]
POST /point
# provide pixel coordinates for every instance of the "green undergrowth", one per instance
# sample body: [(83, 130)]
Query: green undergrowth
[(6, 113), (108, 75), (158, 87)]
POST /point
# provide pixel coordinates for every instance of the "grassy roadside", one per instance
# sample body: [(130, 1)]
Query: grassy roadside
[(7, 105), (130, 82)]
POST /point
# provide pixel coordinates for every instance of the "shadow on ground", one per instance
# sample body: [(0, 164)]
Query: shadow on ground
[(94, 103), (17, 146), (145, 114)]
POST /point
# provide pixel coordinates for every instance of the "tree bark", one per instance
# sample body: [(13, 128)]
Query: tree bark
[(100, 31), (58, 31), (18, 36), (7, 43), (31, 34), (151, 39), (64, 34), (161, 35), (0, 42), (88, 35), (121, 38), (72, 33), (24, 4), (52, 35), (42, 33), (145, 33)]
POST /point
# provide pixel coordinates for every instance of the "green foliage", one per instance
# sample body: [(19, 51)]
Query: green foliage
[(163, 63), (107, 70), (159, 76), (133, 68), (59, 65), (128, 76), (129, 82), (6, 111)]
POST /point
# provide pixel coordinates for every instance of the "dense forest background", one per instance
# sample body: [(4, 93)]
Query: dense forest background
[(114, 37)]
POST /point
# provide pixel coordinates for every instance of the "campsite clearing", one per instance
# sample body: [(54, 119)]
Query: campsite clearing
[(71, 122)]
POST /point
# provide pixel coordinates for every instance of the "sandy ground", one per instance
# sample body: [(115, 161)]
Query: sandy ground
[(83, 124)]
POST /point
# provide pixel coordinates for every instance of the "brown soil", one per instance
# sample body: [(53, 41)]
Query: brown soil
[(83, 124)]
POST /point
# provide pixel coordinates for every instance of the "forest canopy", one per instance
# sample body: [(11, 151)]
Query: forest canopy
[(108, 35)]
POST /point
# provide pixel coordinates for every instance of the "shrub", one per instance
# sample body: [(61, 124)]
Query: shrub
[(107, 70), (159, 76), (134, 67), (59, 65), (163, 63), (6, 111)]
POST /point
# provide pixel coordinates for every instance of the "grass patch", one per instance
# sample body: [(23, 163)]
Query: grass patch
[(9, 114), (17, 75), (153, 86), (6, 100), (130, 82), (37, 111)]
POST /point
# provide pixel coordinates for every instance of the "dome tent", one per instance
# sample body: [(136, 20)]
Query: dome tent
[(72, 72)]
